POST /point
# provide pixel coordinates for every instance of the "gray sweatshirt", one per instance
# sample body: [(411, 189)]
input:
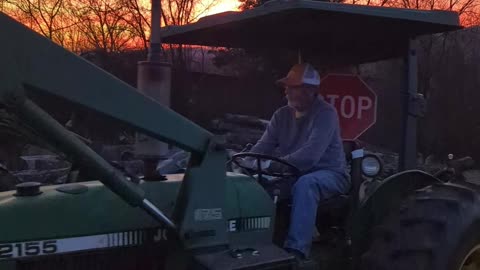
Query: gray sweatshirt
[(311, 142)]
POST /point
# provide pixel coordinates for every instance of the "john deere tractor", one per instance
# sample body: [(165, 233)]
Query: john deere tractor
[(208, 218)]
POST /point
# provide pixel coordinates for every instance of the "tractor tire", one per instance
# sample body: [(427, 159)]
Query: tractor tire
[(437, 228)]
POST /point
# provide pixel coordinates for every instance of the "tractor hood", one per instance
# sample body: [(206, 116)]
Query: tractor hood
[(339, 33), (90, 208)]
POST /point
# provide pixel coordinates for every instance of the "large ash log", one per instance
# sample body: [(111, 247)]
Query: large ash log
[(246, 120), (239, 130)]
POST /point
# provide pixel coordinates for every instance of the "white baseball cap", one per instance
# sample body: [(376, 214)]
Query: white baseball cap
[(301, 74)]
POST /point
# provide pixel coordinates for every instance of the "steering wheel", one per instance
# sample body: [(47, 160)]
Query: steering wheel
[(293, 170)]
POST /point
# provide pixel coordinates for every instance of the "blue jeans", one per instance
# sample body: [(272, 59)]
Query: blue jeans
[(306, 193)]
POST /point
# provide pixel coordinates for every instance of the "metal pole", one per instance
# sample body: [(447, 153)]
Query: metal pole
[(408, 154), (155, 50), (153, 80)]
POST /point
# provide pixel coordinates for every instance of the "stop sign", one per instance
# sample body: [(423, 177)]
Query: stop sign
[(355, 102)]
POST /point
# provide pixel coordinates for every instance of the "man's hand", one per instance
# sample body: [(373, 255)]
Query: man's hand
[(251, 163), (246, 162)]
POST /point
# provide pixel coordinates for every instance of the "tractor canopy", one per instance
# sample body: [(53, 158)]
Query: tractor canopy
[(333, 32)]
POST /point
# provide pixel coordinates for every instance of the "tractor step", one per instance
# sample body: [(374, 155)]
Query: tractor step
[(253, 257), (307, 265)]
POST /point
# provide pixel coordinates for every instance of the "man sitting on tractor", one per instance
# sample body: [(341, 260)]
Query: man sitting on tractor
[(306, 134)]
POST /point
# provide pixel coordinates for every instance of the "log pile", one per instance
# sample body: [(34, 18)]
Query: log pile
[(49, 168), (239, 130)]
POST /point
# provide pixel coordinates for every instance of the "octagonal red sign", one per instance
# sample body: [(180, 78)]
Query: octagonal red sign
[(355, 102)]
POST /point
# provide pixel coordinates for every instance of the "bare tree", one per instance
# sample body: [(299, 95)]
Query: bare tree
[(102, 24), (106, 25), (43, 16), (137, 18), (180, 12), (50, 18), (467, 9)]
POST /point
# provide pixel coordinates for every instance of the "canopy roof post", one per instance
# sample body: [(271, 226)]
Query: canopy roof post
[(408, 153)]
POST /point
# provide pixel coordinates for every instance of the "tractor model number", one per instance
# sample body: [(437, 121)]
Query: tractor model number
[(13, 250)]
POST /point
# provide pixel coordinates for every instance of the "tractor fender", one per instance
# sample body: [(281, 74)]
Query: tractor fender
[(386, 196)]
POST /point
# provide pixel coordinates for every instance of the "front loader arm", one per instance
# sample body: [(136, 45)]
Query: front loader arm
[(31, 63)]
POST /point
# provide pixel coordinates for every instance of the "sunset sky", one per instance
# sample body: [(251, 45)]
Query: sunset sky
[(223, 5), (84, 25)]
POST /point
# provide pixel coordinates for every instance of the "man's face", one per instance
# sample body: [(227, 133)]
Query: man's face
[(300, 97)]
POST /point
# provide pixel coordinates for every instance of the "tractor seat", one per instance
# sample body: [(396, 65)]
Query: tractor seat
[(336, 202), (340, 201)]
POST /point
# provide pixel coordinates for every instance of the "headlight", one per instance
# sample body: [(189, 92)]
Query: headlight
[(371, 165)]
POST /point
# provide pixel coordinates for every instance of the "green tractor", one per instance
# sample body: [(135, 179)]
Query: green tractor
[(208, 218)]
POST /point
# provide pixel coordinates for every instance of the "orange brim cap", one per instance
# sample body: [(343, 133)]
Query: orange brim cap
[(288, 81), (301, 74)]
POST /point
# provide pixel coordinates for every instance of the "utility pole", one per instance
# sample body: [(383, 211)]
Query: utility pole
[(154, 81)]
